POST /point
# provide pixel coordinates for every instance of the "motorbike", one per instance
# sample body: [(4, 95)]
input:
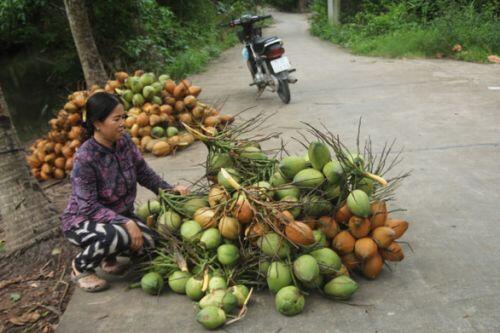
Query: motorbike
[(265, 58)]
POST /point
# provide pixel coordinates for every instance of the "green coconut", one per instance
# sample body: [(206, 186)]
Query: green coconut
[(241, 292), (287, 191), (158, 132), (126, 105), (291, 165), (319, 239), (148, 92), (317, 283), (156, 100), (308, 178), (277, 179), (170, 219), (305, 268), (177, 281), (356, 159), (331, 191), (217, 282), (211, 238), (148, 208), (138, 100), (316, 206), (329, 262), (333, 172), (289, 301), (218, 161), (172, 131), (163, 79), (158, 87), (191, 231), (128, 95), (341, 287), (222, 180), (253, 153), (319, 155), (194, 288), (221, 299), (366, 185), (152, 283), (272, 244), (265, 188), (296, 210), (135, 84), (278, 276), (264, 267), (192, 205), (228, 254), (358, 203), (147, 79), (211, 317)]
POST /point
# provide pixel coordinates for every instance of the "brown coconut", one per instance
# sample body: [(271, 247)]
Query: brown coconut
[(365, 248), (343, 242)]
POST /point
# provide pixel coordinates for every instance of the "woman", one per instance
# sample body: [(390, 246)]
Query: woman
[(99, 217)]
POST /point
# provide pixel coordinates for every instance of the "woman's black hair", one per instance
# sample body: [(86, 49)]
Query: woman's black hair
[(98, 108)]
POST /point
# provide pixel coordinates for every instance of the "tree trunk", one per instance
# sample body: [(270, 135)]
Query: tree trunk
[(302, 6), (26, 214), (92, 66)]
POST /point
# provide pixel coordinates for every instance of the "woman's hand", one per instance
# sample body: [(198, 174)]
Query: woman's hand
[(183, 190), (136, 240)]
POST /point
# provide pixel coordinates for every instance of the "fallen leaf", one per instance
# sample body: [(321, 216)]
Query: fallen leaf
[(14, 297), (21, 320), (494, 58), (439, 55), (35, 285)]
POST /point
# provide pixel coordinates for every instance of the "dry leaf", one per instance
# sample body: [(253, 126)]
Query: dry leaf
[(25, 318), (439, 55), (494, 58)]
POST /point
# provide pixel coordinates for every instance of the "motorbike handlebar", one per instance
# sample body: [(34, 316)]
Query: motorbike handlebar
[(248, 19)]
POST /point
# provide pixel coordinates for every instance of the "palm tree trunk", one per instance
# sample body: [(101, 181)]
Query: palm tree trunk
[(92, 66), (26, 214)]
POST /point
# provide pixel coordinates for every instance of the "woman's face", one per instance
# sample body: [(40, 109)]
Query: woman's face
[(112, 128)]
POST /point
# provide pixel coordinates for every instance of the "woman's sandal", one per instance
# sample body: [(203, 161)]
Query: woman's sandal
[(114, 267), (88, 281)]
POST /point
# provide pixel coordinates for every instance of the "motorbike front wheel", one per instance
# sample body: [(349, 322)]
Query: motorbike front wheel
[(284, 91)]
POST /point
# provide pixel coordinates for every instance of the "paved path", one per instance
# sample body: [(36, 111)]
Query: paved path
[(447, 119)]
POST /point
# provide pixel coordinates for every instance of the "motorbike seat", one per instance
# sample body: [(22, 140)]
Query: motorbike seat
[(258, 44)]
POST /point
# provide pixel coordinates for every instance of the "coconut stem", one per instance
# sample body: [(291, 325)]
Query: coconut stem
[(376, 178)]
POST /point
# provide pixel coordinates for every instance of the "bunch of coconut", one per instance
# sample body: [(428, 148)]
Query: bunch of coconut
[(52, 156), (157, 108), (182, 97), (309, 226)]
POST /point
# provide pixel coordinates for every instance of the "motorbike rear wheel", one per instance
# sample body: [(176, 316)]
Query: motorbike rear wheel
[(284, 91)]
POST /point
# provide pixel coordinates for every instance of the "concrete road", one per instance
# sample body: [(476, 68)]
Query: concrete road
[(447, 118)]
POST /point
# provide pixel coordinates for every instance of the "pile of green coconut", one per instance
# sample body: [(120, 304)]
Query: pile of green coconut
[(260, 220)]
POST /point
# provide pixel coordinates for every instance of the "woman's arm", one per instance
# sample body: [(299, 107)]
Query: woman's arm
[(84, 184)]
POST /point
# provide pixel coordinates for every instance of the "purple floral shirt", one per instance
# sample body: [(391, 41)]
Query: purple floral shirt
[(104, 183)]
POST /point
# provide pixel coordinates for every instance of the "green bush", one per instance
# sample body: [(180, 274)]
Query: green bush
[(415, 28)]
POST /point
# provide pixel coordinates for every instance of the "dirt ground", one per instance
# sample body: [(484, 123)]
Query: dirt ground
[(35, 286)]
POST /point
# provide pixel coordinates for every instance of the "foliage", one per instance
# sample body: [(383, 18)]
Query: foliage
[(286, 5), (415, 28)]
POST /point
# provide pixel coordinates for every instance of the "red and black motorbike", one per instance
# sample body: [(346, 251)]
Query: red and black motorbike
[(265, 58)]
